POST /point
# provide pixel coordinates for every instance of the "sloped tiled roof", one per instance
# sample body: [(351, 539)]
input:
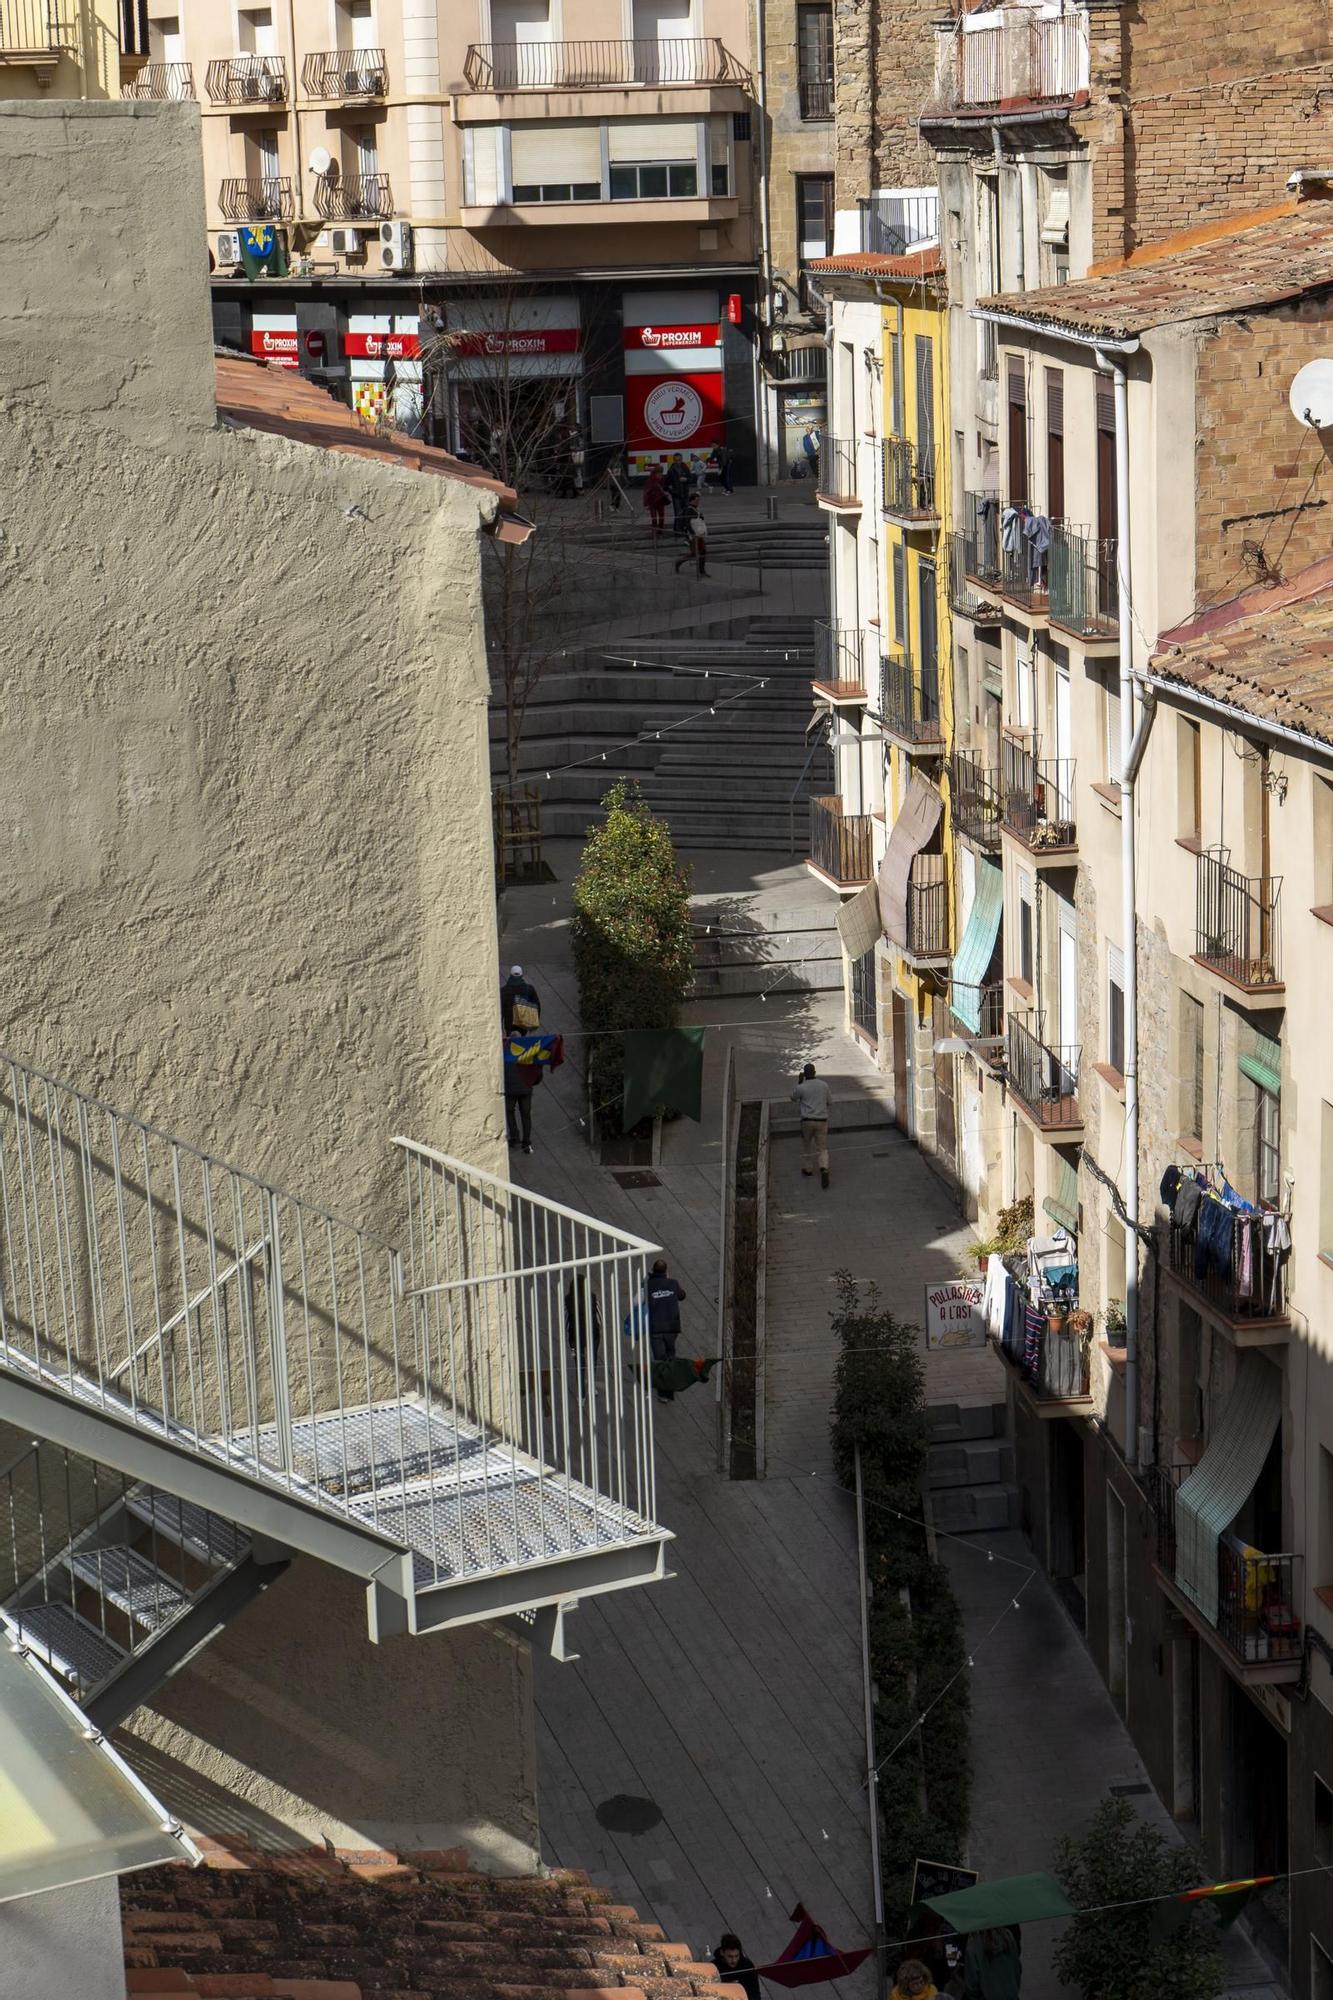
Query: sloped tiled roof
[(926, 262), (259, 396), (1268, 653), (375, 1926), (1279, 256)]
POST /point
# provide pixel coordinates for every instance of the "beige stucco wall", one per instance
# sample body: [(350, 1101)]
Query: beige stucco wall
[(247, 866)]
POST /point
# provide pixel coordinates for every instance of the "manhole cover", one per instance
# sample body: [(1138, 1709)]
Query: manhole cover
[(635, 1177), (626, 1814)]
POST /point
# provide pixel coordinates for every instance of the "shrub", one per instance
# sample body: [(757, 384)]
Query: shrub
[(1123, 1954), (633, 947)]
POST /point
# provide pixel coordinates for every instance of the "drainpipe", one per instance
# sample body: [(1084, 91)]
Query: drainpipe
[(765, 245), (1133, 742)]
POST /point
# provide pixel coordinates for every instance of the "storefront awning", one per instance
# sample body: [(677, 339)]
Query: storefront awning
[(1220, 1484), (974, 953), (911, 831), (858, 922), (1014, 1899), (1061, 1204), (1262, 1062)]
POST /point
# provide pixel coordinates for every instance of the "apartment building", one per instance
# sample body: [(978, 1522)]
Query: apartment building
[(566, 188), (55, 51)]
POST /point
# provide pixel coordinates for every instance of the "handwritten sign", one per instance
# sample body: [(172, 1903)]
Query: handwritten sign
[(953, 1313), (938, 1878)]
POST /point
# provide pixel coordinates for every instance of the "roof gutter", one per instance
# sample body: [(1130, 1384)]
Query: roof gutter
[(1101, 343), (1236, 717)]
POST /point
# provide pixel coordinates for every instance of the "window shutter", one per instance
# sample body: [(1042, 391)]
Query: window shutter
[(1105, 405), (1115, 965), (1017, 381), (653, 142), (550, 154), (1055, 402)]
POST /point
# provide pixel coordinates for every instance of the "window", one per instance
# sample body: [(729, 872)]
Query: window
[(987, 269), (1111, 730), (925, 407), (1189, 781), (364, 148), (1106, 474), (653, 183), (900, 595), (1024, 692), (556, 162), (719, 157), (135, 30), (264, 158), (814, 59), (896, 384), (650, 161), (255, 31), (1326, 1180), (1027, 929), (1189, 1384), (814, 216), (1323, 844), (928, 640), (1018, 432), (1115, 1008), (358, 24), (864, 1007), (1055, 443), (1114, 1281), (1054, 191), (1191, 1068), (1267, 1144)]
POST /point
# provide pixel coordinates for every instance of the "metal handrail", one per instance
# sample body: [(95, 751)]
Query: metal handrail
[(839, 655), (1038, 795), (981, 512), (338, 73), (836, 478), (890, 224), (1019, 58), (1084, 590), (171, 83), (841, 844), (909, 703), (603, 64), (246, 80), (1044, 1076), (271, 199), (927, 908), (353, 197), (977, 800), (1237, 917)]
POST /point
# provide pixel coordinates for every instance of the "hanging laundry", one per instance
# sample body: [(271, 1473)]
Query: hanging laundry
[(1011, 530)]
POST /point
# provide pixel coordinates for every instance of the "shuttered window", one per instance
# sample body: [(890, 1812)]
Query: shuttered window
[(1018, 432), (1106, 473), (551, 155), (1055, 443), (1115, 1007), (654, 139)]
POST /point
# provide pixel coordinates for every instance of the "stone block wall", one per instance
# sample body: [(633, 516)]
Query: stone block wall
[(884, 68), (795, 145)]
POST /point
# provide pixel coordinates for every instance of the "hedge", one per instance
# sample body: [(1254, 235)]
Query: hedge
[(633, 945), (915, 1648)]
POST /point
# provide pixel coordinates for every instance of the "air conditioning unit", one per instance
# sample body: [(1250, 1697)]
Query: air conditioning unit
[(273, 89), (229, 246), (347, 243), (395, 246)]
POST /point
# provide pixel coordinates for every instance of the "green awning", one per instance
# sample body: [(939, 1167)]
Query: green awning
[(1223, 1480), (1262, 1063), (664, 1071), (1061, 1204), (1014, 1899), (974, 953)]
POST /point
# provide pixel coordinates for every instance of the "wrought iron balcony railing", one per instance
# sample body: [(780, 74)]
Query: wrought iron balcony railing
[(1020, 59), (977, 801), (928, 908), (1237, 923), (1038, 797), (839, 659), (1054, 1362), (35, 28), (816, 98), (1084, 594), (1258, 1595), (268, 200), (841, 844), (909, 703), (966, 595), (836, 478), (162, 83), (353, 197), (981, 539), (335, 74), (908, 482), (602, 65), (1043, 1077), (1023, 571), (892, 224), (807, 363), (246, 81), (1233, 1261), (988, 1001)]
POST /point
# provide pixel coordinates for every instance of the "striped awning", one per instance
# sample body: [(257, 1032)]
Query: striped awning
[(974, 953), (1061, 1204), (1262, 1062), (911, 831), (1223, 1480), (858, 922)]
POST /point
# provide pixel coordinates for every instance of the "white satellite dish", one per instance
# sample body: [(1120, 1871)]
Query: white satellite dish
[(1311, 395), (320, 160)]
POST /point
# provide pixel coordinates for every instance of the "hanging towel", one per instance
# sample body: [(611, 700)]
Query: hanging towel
[(1185, 1214), (1011, 530)]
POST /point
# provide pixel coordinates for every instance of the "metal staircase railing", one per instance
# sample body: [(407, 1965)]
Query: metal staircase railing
[(423, 1421)]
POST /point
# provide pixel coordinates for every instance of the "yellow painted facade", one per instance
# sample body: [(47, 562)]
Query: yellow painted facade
[(48, 51)]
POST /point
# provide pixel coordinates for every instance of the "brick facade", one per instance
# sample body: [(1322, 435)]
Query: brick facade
[(1261, 478)]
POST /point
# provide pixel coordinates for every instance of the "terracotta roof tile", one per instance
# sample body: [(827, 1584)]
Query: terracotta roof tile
[(1267, 653), (927, 262), (1279, 257), (260, 396), (322, 1926)]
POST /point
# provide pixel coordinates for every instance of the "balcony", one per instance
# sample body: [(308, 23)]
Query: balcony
[(1257, 1627), (927, 912), (1038, 794), (1043, 1078), (988, 1000), (353, 197), (339, 76), (966, 560), (807, 363), (246, 83), (837, 484), (267, 200), (669, 62), (1233, 1274), (1021, 60), (162, 83), (893, 223), (977, 801), (815, 94), (841, 844), (909, 706), (981, 541), (34, 34), (839, 657), (907, 485), (1084, 597), (1053, 1370), (1023, 577), (1237, 931)]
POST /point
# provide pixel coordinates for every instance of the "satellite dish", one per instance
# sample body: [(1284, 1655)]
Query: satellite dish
[(1311, 395), (320, 160)]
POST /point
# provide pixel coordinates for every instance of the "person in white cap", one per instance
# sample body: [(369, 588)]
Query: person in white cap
[(519, 1005)]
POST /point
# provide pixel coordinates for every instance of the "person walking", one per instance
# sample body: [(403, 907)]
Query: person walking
[(993, 1965), (810, 445), (723, 457), (812, 1095), (583, 1328), (734, 1968), (664, 1295), (677, 483), (519, 1006), (697, 529), (521, 1079), (655, 499)]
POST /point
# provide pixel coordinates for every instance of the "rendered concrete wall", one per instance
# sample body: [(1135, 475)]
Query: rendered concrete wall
[(62, 1943), (248, 876)]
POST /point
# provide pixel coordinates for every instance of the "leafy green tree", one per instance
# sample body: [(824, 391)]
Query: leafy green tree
[(1157, 1949), (633, 945)]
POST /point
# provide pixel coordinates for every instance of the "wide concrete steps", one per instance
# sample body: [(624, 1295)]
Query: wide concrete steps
[(794, 950), (970, 1468)]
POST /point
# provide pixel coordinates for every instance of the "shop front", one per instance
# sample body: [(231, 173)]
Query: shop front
[(674, 383)]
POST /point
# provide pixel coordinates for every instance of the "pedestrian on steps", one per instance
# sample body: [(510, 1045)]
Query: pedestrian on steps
[(697, 529), (679, 486), (812, 1095), (663, 1294), (655, 499)]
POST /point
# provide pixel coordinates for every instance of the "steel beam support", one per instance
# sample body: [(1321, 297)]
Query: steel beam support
[(440, 1606)]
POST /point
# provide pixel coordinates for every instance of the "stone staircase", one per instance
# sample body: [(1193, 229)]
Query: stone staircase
[(970, 1468), (761, 940)]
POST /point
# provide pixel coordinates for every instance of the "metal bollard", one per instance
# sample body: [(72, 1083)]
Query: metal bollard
[(771, 503)]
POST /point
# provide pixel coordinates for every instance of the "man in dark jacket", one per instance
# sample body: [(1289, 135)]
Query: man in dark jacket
[(516, 987), (679, 485), (664, 1294), (735, 1968)]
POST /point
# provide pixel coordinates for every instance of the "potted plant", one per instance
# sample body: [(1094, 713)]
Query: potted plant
[(1113, 1319)]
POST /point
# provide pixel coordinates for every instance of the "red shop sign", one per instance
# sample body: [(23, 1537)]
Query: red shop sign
[(673, 336), (673, 412), (381, 346), (542, 340), (274, 343)]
